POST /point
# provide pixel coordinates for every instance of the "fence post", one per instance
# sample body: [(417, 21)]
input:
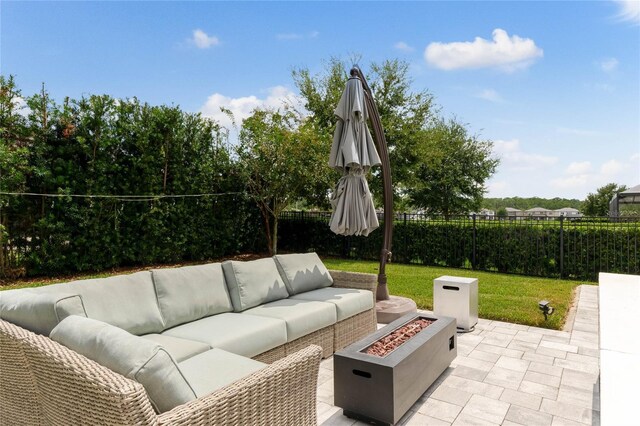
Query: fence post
[(561, 246), (473, 255)]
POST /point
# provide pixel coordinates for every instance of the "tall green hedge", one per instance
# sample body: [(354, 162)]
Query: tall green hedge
[(519, 247), (103, 146)]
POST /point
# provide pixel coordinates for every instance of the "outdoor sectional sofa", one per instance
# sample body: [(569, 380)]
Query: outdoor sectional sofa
[(231, 343)]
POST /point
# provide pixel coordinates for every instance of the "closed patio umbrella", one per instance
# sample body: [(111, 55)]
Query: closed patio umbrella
[(353, 153)]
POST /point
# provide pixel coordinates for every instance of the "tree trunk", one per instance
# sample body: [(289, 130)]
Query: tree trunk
[(267, 227), (4, 247), (274, 237)]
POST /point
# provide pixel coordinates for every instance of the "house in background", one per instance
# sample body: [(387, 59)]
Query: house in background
[(485, 214), (514, 214), (568, 212), (539, 213)]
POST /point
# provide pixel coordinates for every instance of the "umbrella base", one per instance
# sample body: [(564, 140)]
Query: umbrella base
[(390, 310)]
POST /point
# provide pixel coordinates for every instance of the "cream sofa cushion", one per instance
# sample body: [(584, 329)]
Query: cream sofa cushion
[(179, 349), (214, 369), (348, 301), (301, 316), (134, 357), (38, 312), (125, 301), (253, 283), (190, 293), (240, 334), (302, 272)]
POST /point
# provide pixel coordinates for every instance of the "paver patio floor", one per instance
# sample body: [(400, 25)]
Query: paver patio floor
[(507, 374)]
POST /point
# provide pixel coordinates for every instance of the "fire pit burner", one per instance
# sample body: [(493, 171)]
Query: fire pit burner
[(387, 344)]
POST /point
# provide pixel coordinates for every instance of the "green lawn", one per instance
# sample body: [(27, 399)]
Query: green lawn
[(511, 298)]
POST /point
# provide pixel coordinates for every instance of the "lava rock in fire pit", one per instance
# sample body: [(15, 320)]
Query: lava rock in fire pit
[(388, 343)]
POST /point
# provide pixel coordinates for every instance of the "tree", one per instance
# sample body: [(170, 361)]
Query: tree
[(597, 204), (502, 212), (403, 113), (416, 136), (281, 159), (14, 155), (452, 169)]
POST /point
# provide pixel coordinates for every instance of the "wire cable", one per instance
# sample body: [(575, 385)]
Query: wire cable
[(141, 198)]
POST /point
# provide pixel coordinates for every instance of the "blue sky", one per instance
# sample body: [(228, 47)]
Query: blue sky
[(556, 85)]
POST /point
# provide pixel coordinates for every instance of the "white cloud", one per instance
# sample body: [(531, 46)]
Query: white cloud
[(581, 178), (297, 36), (242, 107), (570, 182), (629, 11), (635, 157), (578, 132), (612, 168), (289, 36), (21, 106), (499, 188), (508, 121), (202, 40), (578, 168), (490, 95), (514, 159), (403, 47), (609, 64), (503, 52), (504, 147)]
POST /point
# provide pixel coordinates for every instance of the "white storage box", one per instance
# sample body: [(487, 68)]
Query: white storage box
[(457, 297)]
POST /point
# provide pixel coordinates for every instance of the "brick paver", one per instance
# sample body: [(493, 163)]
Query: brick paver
[(508, 374)]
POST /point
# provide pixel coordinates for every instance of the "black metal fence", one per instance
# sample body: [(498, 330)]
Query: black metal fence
[(574, 248)]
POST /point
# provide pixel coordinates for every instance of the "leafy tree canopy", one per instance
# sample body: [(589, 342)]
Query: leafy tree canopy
[(597, 204), (419, 139), (525, 203), (279, 154)]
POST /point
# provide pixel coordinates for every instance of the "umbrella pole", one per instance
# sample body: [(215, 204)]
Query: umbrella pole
[(388, 308), (387, 190)]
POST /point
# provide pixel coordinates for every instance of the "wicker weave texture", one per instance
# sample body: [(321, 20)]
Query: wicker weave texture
[(272, 355), (357, 280), (73, 390), (322, 338), (284, 393), (18, 398), (353, 329)]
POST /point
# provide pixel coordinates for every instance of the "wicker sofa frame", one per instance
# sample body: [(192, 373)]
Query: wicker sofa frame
[(45, 383)]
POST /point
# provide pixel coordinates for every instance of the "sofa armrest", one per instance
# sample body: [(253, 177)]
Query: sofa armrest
[(357, 280), (74, 390), (284, 393)]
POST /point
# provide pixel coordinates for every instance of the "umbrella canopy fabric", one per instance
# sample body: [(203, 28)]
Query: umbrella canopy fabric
[(353, 209), (353, 153), (352, 142)]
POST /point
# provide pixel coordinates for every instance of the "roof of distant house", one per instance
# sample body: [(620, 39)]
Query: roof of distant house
[(511, 209), (567, 209), (538, 209)]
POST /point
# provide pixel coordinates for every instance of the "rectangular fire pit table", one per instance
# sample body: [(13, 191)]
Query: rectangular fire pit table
[(382, 389)]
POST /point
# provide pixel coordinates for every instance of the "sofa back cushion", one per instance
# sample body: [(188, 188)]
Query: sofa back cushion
[(38, 312), (302, 272), (189, 293), (134, 357), (126, 301), (253, 283)]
